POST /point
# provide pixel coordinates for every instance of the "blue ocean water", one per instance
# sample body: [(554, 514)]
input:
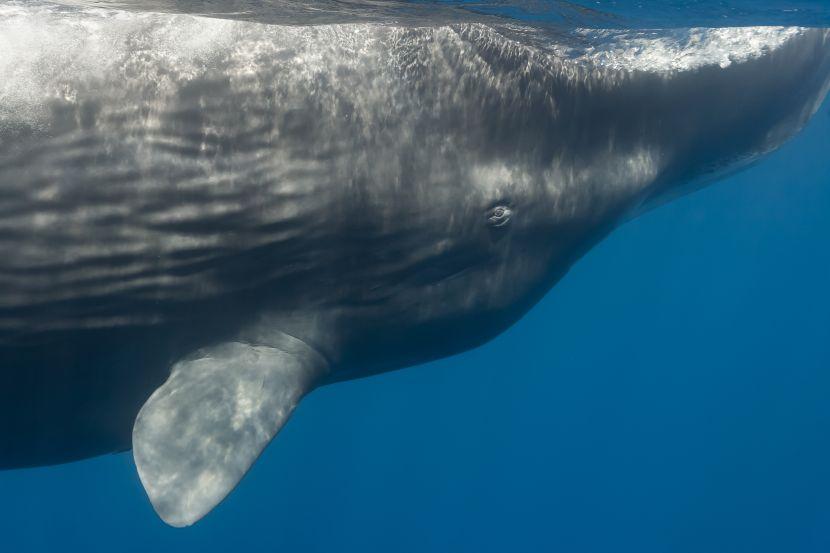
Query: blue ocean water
[(669, 395)]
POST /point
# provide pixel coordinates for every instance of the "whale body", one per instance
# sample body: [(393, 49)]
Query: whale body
[(203, 220)]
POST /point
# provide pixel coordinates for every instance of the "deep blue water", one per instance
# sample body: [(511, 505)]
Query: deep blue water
[(669, 395)]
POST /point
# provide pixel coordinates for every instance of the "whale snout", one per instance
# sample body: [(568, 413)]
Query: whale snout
[(742, 109)]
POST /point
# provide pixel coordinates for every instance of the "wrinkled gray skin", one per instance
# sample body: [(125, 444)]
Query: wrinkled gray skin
[(231, 198)]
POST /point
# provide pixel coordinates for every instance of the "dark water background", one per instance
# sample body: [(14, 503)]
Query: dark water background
[(669, 395)]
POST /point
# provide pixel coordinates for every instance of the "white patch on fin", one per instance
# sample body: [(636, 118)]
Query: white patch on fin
[(200, 432)]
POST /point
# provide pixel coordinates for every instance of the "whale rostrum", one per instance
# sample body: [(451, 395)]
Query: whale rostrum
[(203, 220)]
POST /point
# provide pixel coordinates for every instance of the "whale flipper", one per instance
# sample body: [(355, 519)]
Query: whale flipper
[(199, 433)]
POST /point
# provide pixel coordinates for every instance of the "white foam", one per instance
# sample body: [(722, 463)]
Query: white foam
[(678, 49)]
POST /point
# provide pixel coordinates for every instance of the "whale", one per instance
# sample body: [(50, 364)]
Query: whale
[(203, 220)]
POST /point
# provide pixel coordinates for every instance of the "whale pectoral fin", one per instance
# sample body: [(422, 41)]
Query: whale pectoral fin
[(200, 432)]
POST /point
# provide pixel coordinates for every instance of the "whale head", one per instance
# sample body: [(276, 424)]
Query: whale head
[(555, 151)]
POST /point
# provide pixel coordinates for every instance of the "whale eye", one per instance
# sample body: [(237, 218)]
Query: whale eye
[(499, 216)]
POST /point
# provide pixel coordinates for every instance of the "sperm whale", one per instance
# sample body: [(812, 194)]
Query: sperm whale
[(203, 220)]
